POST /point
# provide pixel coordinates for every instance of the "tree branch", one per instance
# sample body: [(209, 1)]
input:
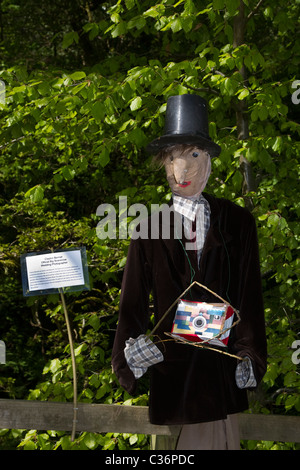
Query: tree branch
[(204, 90), (252, 13), (12, 141), (249, 183)]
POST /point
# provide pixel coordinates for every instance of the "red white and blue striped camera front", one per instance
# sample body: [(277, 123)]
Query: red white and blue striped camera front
[(201, 321)]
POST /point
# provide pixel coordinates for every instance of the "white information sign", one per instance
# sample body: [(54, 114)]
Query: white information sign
[(51, 271), (54, 270)]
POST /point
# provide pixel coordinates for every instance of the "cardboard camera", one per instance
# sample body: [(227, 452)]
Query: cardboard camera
[(203, 322)]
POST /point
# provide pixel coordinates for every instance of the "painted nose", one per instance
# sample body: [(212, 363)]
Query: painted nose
[(179, 173)]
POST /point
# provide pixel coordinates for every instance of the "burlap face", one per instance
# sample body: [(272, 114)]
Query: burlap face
[(187, 169)]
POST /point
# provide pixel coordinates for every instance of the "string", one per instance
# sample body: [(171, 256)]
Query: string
[(228, 259), (192, 271), (192, 274)]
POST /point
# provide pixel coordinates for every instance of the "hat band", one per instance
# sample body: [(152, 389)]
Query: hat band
[(188, 134)]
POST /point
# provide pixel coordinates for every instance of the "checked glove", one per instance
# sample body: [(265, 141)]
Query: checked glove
[(140, 354)]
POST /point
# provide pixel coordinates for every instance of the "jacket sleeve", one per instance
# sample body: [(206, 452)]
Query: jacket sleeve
[(134, 308), (250, 332)]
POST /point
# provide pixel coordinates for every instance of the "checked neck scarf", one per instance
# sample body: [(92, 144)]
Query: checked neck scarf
[(195, 214)]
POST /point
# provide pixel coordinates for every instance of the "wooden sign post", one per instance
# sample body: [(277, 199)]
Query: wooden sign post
[(61, 271)]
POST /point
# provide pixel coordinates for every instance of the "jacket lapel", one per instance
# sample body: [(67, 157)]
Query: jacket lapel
[(182, 260)]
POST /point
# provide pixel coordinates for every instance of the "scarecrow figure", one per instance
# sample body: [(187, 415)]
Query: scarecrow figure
[(197, 388)]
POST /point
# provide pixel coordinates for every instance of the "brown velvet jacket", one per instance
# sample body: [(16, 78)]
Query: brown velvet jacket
[(194, 385)]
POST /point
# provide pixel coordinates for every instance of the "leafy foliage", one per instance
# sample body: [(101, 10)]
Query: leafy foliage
[(83, 98)]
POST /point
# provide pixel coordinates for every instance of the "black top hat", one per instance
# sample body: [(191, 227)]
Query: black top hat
[(186, 123)]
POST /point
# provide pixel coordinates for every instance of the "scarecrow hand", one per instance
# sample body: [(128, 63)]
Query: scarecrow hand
[(140, 354), (244, 374)]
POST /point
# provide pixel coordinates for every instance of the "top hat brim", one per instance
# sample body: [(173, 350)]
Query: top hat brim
[(174, 139)]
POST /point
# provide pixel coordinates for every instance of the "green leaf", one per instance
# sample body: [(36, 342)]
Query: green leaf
[(94, 322), (95, 380), (138, 22), (77, 76), (44, 88), (187, 23), (68, 172), (36, 194), (30, 445), (90, 440), (136, 103), (137, 137), (232, 6), (243, 94), (176, 25), (119, 30), (218, 4), (122, 262), (104, 157), (55, 365), (155, 11), (82, 347), (98, 111), (129, 4), (263, 113), (133, 439), (291, 379), (277, 146), (78, 88), (69, 38), (228, 87), (273, 220)]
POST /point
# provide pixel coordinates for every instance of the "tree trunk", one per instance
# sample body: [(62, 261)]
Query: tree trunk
[(249, 183)]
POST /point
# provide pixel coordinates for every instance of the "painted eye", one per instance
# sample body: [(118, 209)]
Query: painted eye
[(195, 154)]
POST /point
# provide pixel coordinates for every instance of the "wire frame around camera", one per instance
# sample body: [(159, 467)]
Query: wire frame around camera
[(205, 343)]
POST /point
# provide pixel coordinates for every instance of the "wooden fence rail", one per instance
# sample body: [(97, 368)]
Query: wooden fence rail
[(99, 418)]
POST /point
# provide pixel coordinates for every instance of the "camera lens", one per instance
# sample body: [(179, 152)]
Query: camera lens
[(199, 323)]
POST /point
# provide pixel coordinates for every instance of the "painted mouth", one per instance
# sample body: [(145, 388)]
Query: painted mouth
[(184, 184)]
